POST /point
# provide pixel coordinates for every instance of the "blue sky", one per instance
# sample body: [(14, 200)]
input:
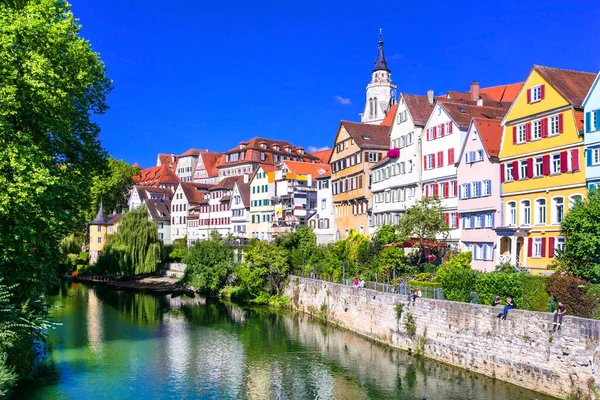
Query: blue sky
[(210, 74)]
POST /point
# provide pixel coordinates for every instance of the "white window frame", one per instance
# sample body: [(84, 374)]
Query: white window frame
[(536, 129), (509, 172), (596, 156), (541, 217), (511, 213), (536, 93), (572, 199), (536, 251), (553, 125), (559, 244), (486, 188), (522, 169), (555, 163), (525, 212), (521, 133), (538, 166), (489, 220), (555, 213)]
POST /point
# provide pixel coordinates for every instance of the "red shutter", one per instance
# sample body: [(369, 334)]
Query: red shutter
[(442, 129), (514, 134), (542, 92), (529, 247), (501, 172), (515, 165), (528, 132), (560, 123), (427, 134), (551, 247), (435, 189), (440, 159), (450, 156), (544, 127), (564, 163), (450, 127), (446, 189), (447, 216), (575, 160), (457, 222), (433, 161), (424, 162), (528, 96), (530, 168), (435, 132), (426, 190), (546, 165), (543, 247)]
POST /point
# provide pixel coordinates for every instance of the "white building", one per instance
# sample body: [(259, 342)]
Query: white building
[(240, 208), (186, 195), (141, 194), (380, 90), (159, 211), (396, 180), (216, 215), (323, 221)]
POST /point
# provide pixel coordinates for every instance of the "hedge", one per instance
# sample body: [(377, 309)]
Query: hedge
[(490, 284), (573, 293), (535, 296), (435, 285)]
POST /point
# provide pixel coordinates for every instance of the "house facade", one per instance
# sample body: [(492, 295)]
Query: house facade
[(262, 210), (159, 211), (396, 180), (102, 226), (206, 167), (186, 165), (542, 169), (323, 221), (216, 215), (240, 208), (186, 196), (591, 109), (357, 147), (141, 194), (479, 204)]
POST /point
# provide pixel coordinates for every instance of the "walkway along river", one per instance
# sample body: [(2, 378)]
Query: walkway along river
[(138, 346)]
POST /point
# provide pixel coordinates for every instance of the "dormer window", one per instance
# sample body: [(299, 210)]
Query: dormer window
[(276, 147), (288, 149), (300, 150), (263, 145)]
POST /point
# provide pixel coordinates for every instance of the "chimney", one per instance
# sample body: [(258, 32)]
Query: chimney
[(430, 96), (474, 91)]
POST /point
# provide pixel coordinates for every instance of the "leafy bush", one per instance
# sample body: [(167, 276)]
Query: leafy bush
[(8, 377), (429, 268), (488, 285), (574, 293), (535, 296), (208, 265), (177, 250), (425, 284), (458, 283)]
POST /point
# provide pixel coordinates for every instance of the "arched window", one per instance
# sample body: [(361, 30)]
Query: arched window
[(525, 212), (371, 108), (511, 213), (558, 210), (375, 105), (540, 212), (574, 199)]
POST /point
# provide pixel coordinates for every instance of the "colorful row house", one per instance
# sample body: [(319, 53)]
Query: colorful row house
[(542, 168), (591, 109)]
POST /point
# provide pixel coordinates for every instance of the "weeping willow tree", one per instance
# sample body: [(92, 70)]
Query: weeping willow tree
[(134, 249)]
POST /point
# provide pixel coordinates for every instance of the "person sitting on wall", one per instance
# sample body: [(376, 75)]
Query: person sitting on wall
[(558, 316), (361, 283), (509, 304), (355, 283), (496, 301), (416, 293), (411, 295)]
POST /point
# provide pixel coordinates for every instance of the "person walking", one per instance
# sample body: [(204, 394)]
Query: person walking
[(509, 304), (558, 316)]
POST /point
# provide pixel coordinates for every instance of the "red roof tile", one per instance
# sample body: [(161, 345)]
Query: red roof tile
[(156, 176), (572, 85), (194, 191), (315, 170), (462, 113), (368, 136), (503, 92), (418, 107), (323, 155), (244, 190), (490, 132), (389, 118)]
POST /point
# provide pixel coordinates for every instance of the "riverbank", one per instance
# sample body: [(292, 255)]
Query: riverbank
[(521, 349), (158, 285)]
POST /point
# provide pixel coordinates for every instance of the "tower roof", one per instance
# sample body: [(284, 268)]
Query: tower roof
[(381, 63), (100, 219)]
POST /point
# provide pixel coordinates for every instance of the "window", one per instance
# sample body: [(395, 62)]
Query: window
[(553, 125), (540, 217), (559, 243), (478, 221), (596, 156), (511, 213), (430, 161), (537, 129), (99, 240), (161, 225), (537, 247), (555, 163), (410, 138), (489, 220), (558, 210), (574, 199), (487, 188), (99, 228), (509, 171), (525, 212), (476, 189), (539, 166), (521, 134), (262, 156), (523, 169), (372, 157), (323, 204), (536, 93)]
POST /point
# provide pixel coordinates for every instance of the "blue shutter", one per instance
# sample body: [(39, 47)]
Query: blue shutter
[(588, 121), (493, 224), (597, 127), (591, 187), (489, 185), (460, 192), (468, 191), (588, 157)]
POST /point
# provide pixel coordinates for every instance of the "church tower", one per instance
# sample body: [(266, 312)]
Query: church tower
[(381, 92)]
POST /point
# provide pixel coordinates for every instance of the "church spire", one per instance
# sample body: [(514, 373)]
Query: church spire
[(381, 63)]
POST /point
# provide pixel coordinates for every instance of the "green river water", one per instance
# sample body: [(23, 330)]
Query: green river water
[(120, 345)]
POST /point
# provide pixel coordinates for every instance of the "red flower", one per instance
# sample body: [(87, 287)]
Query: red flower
[(393, 153)]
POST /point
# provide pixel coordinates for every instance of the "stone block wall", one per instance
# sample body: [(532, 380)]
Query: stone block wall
[(520, 350)]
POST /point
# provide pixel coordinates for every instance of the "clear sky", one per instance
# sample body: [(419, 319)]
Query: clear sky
[(209, 74)]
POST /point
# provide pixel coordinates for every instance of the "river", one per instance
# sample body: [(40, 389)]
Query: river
[(121, 345)]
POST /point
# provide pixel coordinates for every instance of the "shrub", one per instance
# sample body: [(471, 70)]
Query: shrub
[(535, 296), (425, 284), (574, 293), (488, 285), (458, 283)]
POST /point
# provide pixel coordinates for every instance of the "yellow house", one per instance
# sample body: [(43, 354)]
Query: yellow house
[(356, 149), (100, 227), (543, 170)]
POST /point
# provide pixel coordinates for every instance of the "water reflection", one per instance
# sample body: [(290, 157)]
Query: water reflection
[(125, 345)]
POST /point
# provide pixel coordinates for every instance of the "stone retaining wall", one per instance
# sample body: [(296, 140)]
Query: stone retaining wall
[(520, 349)]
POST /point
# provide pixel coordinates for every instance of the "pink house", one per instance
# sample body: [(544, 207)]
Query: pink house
[(479, 201)]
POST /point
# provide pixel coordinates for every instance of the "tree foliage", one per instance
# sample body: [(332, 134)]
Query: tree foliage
[(135, 249), (574, 293), (386, 234), (208, 265), (581, 228)]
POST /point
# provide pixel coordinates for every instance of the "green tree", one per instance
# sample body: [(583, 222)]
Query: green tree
[(111, 186), (386, 234), (266, 268), (581, 228), (135, 249), (208, 265), (423, 221), (389, 259)]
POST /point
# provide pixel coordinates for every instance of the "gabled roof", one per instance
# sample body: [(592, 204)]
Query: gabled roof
[(194, 191), (323, 155), (166, 158), (160, 210), (462, 113), (315, 170), (210, 160), (227, 183), (490, 133), (418, 107), (191, 152), (144, 192), (572, 85), (253, 148), (368, 136), (244, 191), (114, 218), (504, 93), (389, 118), (155, 176), (591, 90)]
